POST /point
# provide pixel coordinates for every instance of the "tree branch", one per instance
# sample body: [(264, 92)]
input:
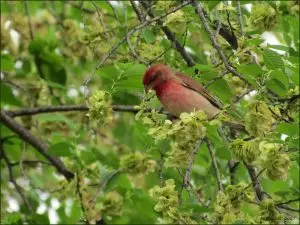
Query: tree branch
[(214, 42), (66, 108), (214, 162), (171, 36), (131, 32), (232, 165), (255, 182), (11, 177), (240, 16), (37, 60), (38, 144)]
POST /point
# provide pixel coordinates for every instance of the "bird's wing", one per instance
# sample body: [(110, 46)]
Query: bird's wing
[(190, 83)]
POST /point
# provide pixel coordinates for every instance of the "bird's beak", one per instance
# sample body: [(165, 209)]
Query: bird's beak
[(148, 87)]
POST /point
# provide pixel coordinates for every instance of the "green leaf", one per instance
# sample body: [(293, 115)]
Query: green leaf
[(109, 158), (273, 60), (290, 129), (278, 83), (280, 47), (132, 77), (55, 73), (221, 89), (212, 4), (223, 153), (250, 72), (119, 182), (149, 36), (63, 149), (7, 63), (7, 95), (36, 46), (12, 218)]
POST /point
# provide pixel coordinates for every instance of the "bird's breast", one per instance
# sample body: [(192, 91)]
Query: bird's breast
[(178, 99)]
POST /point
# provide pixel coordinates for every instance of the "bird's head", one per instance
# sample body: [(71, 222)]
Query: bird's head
[(156, 75)]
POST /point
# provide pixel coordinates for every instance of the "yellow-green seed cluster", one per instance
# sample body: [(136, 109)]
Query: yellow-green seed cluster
[(263, 16), (227, 205), (166, 203), (111, 204), (100, 107), (137, 163), (269, 214), (259, 119), (276, 163)]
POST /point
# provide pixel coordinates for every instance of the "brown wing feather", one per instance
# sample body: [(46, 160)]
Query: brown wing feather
[(190, 83)]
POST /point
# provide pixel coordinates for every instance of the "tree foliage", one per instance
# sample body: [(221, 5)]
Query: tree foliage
[(81, 143)]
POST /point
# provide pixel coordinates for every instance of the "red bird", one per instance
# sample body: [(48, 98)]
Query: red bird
[(179, 93)]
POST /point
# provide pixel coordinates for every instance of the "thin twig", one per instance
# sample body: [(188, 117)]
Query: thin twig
[(240, 16), (216, 78), (191, 162), (186, 178), (28, 19), (101, 21), (31, 162), (218, 29), (37, 60), (80, 196), (160, 169), (70, 108), (289, 201), (215, 44), (214, 162), (137, 11), (35, 142), (105, 182), (172, 37), (12, 179), (131, 32), (232, 165), (255, 182)]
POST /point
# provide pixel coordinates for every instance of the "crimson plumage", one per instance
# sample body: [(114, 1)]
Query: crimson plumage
[(179, 93)]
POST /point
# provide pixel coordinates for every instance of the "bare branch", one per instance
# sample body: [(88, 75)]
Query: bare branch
[(255, 182), (101, 21), (131, 32), (215, 44), (289, 201), (37, 60), (214, 162), (192, 158), (67, 108), (31, 162), (137, 11), (80, 195), (38, 144), (28, 19), (216, 78), (12, 179), (232, 165), (240, 16), (171, 36)]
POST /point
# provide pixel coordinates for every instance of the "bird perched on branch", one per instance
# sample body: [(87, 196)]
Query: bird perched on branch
[(179, 93)]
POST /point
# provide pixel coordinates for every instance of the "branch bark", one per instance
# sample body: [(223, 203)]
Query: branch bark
[(35, 142), (255, 182), (171, 36), (11, 176), (214, 42), (215, 165)]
